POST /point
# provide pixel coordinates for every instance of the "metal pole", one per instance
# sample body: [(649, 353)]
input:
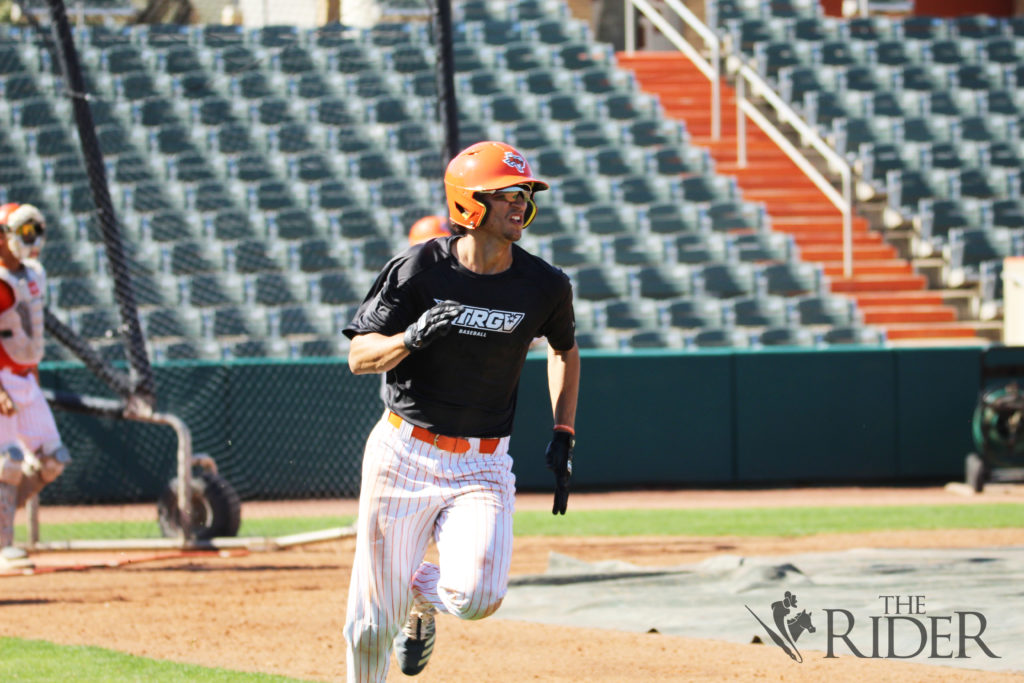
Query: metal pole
[(741, 122), (847, 223), (630, 22), (716, 92), (32, 512)]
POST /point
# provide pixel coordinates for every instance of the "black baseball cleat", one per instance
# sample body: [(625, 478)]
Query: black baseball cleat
[(415, 641)]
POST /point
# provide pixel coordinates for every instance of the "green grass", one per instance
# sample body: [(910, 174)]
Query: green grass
[(269, 527), (32, 660), (790, 521), (37, 660), (785, 521)]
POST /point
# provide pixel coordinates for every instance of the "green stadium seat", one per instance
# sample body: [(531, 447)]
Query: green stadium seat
[(234, 60), (255, 256), (279, 289), (662, 281), (656, 339), (214, 289), (692, 312), (627, 314), (570, 250), (718, 337), (783, 335), (324, 347), (240, 321), (756, 311), (178, 321), (68, 259), (190, 257), (304, 320), (292, 224), (858, 335), (33, 113), (599, 283)]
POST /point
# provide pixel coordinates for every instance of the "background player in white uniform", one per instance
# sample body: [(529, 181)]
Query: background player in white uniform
[(31, 452), (450, 321)]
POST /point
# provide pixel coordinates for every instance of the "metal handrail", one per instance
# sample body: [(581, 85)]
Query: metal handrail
[(746, 75), (841, 200), (712, 70)]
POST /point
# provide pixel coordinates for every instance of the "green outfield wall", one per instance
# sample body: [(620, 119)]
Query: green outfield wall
[(292, 429)]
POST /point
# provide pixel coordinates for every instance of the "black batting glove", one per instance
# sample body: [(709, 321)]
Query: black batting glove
[(434, 323), (559, 460)]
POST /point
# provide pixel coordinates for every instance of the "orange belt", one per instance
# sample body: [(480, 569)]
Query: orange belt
[(452, 444)]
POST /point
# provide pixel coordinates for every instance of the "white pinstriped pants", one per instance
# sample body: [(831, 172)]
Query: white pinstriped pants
[(32, 424), (411, 492), (33, 427)]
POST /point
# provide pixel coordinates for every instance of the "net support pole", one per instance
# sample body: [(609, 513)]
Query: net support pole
[(144, 386), (447, 106)]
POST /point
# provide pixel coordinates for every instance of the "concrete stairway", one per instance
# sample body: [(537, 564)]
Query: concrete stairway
[(887, 289)]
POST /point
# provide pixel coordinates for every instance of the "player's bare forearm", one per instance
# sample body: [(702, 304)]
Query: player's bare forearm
[(564, 384), (6, 403), (375, 353)]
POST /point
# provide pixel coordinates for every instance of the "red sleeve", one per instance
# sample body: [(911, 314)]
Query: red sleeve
[(6, 296)]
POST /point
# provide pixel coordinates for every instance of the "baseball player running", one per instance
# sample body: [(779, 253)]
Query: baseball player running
[(450, 321), (31, 452)]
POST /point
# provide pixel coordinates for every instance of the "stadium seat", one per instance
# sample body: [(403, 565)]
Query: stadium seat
[(756, 311), (598, 283), (181, 321), (725, 280), (240, 321), (603, 340), (337, 288), (230, 224), (856, 335), (783, 336), (189, 258), (634, 250), (214, 289), (627, 314), (662, 281), (718, 337), (254, 256), (791, 279), (825, 309)]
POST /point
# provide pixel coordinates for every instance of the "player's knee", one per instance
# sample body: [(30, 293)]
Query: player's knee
[(48, 465), (12, 460), (477, 604), (361, 636)]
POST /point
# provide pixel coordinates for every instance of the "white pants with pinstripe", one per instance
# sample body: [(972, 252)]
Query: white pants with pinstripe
[(412, 492), (32, 427)]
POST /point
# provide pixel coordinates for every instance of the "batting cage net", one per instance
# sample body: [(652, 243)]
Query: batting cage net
[(219, 199), (217, 202)]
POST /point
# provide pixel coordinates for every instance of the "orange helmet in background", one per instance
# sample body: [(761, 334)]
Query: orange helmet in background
[(482, 168), (5, 211), (24, 228), (427, 228)]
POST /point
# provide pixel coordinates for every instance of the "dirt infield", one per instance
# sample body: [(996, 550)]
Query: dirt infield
[(282, 612)]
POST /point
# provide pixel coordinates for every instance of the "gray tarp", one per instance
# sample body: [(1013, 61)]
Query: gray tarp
[(958, 588)]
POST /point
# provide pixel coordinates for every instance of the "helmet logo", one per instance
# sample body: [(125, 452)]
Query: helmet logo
[(515, 161)]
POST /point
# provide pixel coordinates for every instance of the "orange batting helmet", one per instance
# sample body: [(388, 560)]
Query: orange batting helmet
[(428, 228), (482, 169)]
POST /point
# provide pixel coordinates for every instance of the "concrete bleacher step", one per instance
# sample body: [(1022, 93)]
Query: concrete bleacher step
[(883, 283)]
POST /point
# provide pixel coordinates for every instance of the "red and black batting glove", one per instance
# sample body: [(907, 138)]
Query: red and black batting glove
[(559, 460), (435, 322)]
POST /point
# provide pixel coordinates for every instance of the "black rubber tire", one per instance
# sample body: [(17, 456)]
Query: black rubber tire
[(216, 508), (976, 472)]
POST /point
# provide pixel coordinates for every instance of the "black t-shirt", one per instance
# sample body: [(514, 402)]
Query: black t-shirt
[(465, 383)]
